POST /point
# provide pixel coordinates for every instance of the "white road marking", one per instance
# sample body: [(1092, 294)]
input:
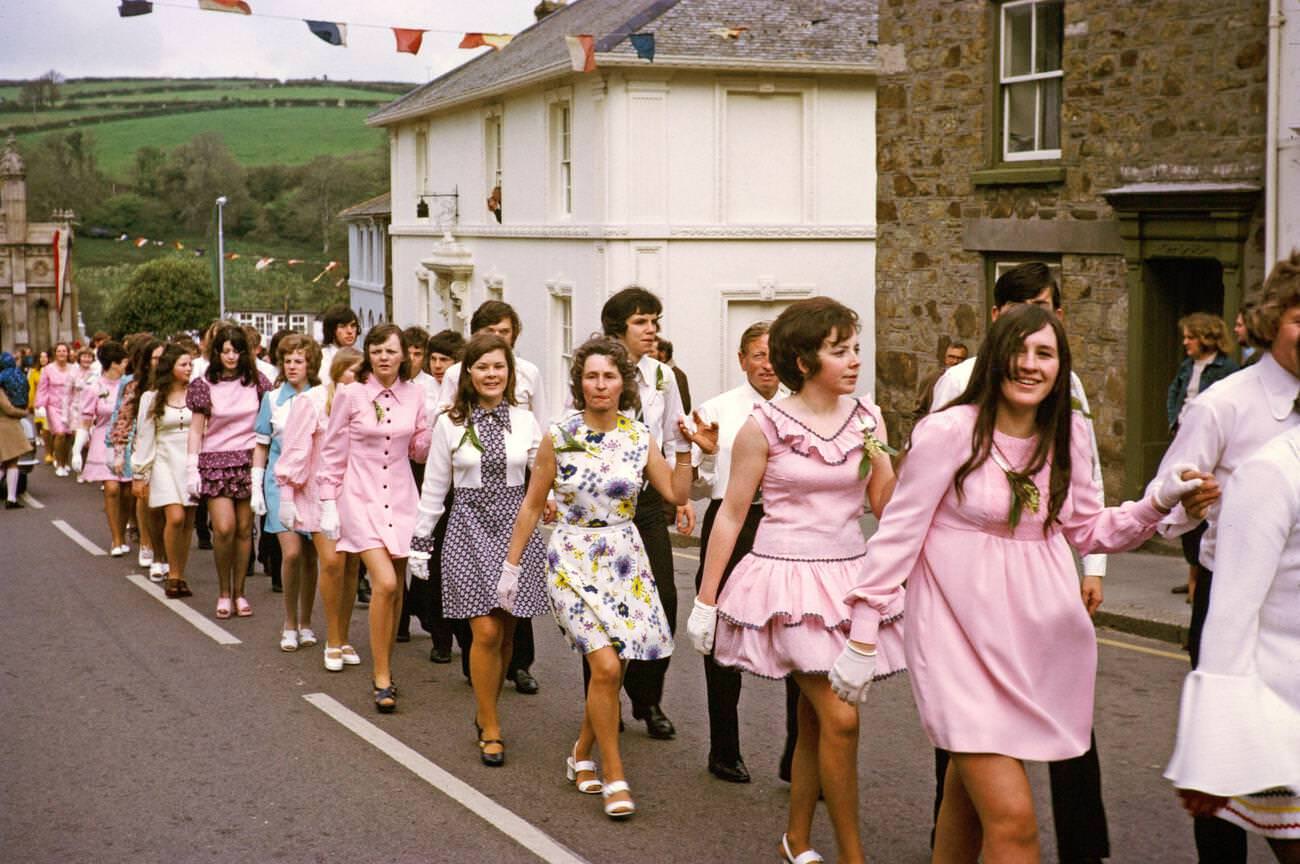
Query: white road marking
[(27, 499), (522, 832), (202, 624), (686, 555), (77, 537), (1142, 649)]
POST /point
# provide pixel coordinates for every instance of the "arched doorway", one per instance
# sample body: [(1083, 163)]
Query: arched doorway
[(38, 326)]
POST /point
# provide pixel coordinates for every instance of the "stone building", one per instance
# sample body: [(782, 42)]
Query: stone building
[(38, 300), (1121, 142)]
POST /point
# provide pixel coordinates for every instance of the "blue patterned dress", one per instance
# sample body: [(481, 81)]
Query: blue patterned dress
[(597, 574)]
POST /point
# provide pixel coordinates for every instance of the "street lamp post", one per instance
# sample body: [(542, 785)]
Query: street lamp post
[(221, 259)]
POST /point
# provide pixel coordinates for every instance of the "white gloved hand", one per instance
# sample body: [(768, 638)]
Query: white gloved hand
[(508, 586), (702, 625), (288, 513), (193, 483), (258, 500), (852, 673), (417, 564), (40, 414), (79, 450), (329, 519), (1172, 487)]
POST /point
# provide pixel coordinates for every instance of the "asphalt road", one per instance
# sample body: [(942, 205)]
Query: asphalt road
[(129, 734)]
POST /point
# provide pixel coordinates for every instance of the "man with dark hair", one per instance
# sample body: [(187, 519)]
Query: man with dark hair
[(444, 350), (665, 356)]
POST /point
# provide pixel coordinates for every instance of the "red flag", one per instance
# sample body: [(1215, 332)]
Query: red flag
[(239, 7), (141, 242), (408, 41), (728, 32), (493, 40), (582, 52), (62, 254)]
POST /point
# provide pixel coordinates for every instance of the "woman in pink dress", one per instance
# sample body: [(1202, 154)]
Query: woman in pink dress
[(97, 404), (224, 402), (83, 375), (367, 490), (817, 457), (53, 396), (1002, 654), (296, 471)]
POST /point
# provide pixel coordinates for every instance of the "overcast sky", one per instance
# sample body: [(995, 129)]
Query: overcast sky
[(82, 38)]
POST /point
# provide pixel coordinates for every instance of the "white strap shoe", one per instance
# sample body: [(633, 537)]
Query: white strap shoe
[(573, 767), (806, 857), (618, 809)]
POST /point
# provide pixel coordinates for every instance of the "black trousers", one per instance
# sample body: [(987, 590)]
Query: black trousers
[(1077, 810), (1217, 841)]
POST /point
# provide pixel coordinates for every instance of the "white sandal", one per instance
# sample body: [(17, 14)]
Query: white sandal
[(289, 640), (306, 637), (350, 656), (618, 809), (333, 659), (808, 856), (572, 768)]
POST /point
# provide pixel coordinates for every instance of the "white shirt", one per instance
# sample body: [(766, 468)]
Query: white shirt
[(953, 383), (270, 370), (729, 410), (432, 392), (661, 404), (199, 366), (1223, 427), (529, 392), (455, 461)]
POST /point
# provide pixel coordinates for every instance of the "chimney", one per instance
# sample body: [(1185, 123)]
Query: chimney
[(546, 7)]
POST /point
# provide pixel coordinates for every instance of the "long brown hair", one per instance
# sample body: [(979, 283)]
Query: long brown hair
[(344, 359), (995, 363), (466, 395), (162, 377)]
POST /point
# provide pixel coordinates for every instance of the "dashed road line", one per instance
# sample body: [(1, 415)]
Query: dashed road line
[(507, 822), (201, 623), (29, 501), (77, 537), (1142, 649), (686, 555)]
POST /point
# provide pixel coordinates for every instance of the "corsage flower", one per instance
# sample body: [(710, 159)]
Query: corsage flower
[(660, 383), (379, 411), (871, 445)]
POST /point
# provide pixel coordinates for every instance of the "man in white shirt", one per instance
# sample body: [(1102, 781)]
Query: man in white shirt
[(1220, 430)]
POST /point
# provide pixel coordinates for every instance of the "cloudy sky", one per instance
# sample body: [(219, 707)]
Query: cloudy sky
[(87, 38)]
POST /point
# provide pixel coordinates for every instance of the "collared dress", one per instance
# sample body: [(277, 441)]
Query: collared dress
[(489, 489), (54, 394), (373, 433), (226, 458), (272, 418), (598, 576), (97, 405), (160, 451), (296, 468)]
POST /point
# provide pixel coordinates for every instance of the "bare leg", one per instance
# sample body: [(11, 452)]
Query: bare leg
[(332, 563), (306, 583), (385, 574), (837, 762), (157, 521), (957, 834), (1286, 851), (113, 511), (600, 720), (176, 537), (62, 449), (805, 784), (221, 515), (488, 656), (243, 544), (998, 790), (139, 507), (291, 557)]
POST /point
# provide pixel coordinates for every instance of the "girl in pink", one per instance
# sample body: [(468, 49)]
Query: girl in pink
[(53, 396), (224, 402), (97, 404), (1002, 654), (83, 376), (366, 485), (296, 471), (815, 455)]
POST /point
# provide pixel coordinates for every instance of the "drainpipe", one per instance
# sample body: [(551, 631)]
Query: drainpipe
[(1271, 214)]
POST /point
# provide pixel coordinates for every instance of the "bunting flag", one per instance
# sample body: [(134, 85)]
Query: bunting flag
[(728, 32), (644, 43), (232, 256), (141, 242), (294, 262), (178, 245), (582, 52), (328, 267), (331, 32), (132, 8), (496, 41), (239, 7), (408, 41), (263, 263)]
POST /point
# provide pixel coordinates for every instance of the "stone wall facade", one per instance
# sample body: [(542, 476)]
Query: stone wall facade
[(1160, 91)]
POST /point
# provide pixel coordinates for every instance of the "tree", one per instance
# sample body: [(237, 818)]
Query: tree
[(42, 92), (196, 174), (165, 296), (62, 173)]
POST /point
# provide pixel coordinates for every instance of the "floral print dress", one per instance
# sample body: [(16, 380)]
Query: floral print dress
[(597, 574)]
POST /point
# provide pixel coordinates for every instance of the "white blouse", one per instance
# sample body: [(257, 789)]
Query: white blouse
[(454, 461)]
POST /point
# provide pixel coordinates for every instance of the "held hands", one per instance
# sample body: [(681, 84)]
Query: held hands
[(852, 673), (258, 502), (79, 450), (329, 519), (1201, 803), (193, 484), (1178, 483), (702, 626), (704, 436), (685, 519), (140, 489), (551, 512), (1198, 503), (508, 586), (288, 513), (417, 564)]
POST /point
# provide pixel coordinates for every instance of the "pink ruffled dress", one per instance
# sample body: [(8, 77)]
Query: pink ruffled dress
[(97, 405), (783, 610)]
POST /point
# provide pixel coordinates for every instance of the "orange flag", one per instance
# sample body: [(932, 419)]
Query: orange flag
[(239, 7), (492, 40), (728, 32), (408, 41)]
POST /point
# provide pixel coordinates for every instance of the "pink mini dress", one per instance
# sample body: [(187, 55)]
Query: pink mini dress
[(54, 394), (97, 405), (783, 609), (226, 460), (295, 470)]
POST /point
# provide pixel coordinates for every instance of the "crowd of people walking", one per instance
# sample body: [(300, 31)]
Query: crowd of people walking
[(433, 464)]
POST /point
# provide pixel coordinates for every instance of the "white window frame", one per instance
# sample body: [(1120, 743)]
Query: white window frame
[(560, 335), (560, 150), (493, 147), (1006, 81)]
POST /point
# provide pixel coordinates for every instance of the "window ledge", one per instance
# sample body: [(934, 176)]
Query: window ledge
[(1017, 175)]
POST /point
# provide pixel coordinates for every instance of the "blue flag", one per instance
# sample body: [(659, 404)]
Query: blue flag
[(644, 43), (329, 31), (132, 8)]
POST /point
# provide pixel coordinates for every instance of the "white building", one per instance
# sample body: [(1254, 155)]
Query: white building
[(729, 176), (1282, 186), (369, 287)]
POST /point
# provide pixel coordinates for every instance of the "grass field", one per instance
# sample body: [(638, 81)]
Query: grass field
[(233, 94)]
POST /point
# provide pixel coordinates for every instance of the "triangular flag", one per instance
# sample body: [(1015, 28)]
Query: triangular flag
[(582, 52), (132, 8), (644, 43), (123, 237), (231, 256), (408, 41), (728, 32), (492, 40), (329, 31), (331, 266), (178, 244), (239, 7), (263, 263), (293, 262), (141, 242)]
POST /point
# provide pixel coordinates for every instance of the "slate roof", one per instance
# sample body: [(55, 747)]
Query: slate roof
[(813, 34), (380, 205)]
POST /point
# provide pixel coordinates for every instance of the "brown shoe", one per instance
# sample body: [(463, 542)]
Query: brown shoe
[(172, 588), (184, 588)]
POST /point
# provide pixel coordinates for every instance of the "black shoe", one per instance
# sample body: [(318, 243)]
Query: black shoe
[(784, 770), (1178, 589), (657, 724), (276, 586), (363, 594), (403, 637), (492, 760), (525, 683), (731, 770), (205, 543), (439, 655), (13, 505)]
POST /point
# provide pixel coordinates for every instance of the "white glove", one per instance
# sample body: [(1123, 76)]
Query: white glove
[(39, 413), (329, 519), (852, 673), (79, 449), (288, 514), (258, 502), (701, 626), (193, 483), (508, 586), (1172, 487), (417, 564)]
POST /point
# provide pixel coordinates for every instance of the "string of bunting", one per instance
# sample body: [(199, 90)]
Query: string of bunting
[(262, 263)]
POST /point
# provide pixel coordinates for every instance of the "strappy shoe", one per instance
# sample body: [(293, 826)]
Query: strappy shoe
[(172, 588), (618, 809), (385, 699), (572, 768), (184, 589), (223, 607), (333, 659), (808, 856), (350, 656), (492, 760), (242, 607)]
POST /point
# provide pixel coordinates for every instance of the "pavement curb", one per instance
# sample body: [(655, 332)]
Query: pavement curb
[(1123, 622)]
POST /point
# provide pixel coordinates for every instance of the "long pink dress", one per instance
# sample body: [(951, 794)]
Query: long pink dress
[(54, 394), (372, 434), (97, 405), (1001, 651), (783, 609), (295, 470)]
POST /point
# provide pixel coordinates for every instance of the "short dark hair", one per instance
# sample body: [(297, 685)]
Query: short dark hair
[(492, 311), (630, 398), (1024, 282), (798, 332), (111, 352), (633, 300), (666, 348), (466, 395), (416, 337), (448, 343), (234, 334), (378, 335), (273, 347), (335, 317)]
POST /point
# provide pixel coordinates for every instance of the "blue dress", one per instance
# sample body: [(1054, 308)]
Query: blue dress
[(271, 420)]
